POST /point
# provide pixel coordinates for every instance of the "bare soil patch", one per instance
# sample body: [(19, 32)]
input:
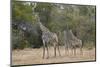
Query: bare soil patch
[(34, 56)]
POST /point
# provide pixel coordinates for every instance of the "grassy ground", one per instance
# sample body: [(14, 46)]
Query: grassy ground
[(34, 56)]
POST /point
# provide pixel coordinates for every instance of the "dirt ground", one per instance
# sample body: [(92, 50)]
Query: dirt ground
[(34, 56)]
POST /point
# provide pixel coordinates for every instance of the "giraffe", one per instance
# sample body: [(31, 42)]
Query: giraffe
[(49, 37), (66, 41), (70, 41), (75, 42)]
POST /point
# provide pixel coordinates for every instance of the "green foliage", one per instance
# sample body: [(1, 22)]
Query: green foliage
[(22, 11), (44, 10), (18, 40)]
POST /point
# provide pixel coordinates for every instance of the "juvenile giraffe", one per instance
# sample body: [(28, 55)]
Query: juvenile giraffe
[(70, 41), (75, 42)]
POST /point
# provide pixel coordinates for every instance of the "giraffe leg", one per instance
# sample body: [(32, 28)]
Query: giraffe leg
[(72, 48), (81, 51), (74, 51), (55, 51), (59, 50), (47, 52), (43, 49), (65, 49)]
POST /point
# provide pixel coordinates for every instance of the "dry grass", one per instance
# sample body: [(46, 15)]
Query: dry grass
[(34, 56)]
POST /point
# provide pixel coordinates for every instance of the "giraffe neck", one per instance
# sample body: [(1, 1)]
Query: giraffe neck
[(73, 36), (43, 28)]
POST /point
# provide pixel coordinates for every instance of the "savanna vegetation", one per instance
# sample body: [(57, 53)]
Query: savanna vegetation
[(56, 17)]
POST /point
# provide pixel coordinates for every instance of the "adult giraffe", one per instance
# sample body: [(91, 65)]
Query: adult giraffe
[(49, 37)]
